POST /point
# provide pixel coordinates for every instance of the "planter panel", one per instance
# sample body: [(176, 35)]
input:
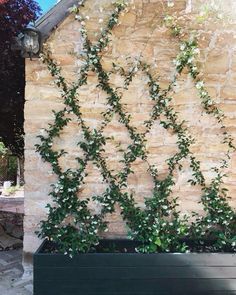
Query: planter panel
[(134, 274)]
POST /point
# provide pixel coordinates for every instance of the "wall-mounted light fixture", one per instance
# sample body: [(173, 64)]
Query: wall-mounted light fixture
[(30, 40)]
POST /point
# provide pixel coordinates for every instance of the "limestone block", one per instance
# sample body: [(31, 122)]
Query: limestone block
[(217, 62), (228, 93)]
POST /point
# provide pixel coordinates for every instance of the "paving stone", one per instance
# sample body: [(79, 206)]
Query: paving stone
[(21, 282), (29, 288)]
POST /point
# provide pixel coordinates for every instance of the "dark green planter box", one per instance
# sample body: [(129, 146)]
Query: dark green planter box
[(134, 274)]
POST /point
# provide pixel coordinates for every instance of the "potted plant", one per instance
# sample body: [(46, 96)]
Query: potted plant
[(73, 259)]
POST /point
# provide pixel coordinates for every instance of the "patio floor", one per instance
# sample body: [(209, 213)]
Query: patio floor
[(11, 271)]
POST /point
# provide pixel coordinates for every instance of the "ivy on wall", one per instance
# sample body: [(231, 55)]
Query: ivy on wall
[(159, 227)]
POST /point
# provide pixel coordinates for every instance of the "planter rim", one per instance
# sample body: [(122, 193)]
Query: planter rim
[(38, 252)]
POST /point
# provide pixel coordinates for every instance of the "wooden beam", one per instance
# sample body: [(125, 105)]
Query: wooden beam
[(50, 21)]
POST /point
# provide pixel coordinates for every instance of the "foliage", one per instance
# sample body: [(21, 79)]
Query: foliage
[(14, 16), (159, 226), (3, 149), (12, 167), (8, 164)]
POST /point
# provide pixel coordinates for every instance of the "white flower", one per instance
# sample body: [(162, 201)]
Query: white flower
[(199, 84), (78, 17), (168, 18), (196, 51), (154, 88), (203, 93), (190, 60), (100, 21), (170, 3), (182, 46), (178, 63)]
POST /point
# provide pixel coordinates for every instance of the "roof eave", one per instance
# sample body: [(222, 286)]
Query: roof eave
[(52, 19)]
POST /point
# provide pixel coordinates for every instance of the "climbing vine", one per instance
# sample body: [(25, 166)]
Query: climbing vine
[(158, 227)]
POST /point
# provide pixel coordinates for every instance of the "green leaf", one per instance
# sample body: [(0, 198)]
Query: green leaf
[(158, 242)]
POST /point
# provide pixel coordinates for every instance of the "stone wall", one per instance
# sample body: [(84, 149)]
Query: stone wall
[(11, 230), (139, 33)]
